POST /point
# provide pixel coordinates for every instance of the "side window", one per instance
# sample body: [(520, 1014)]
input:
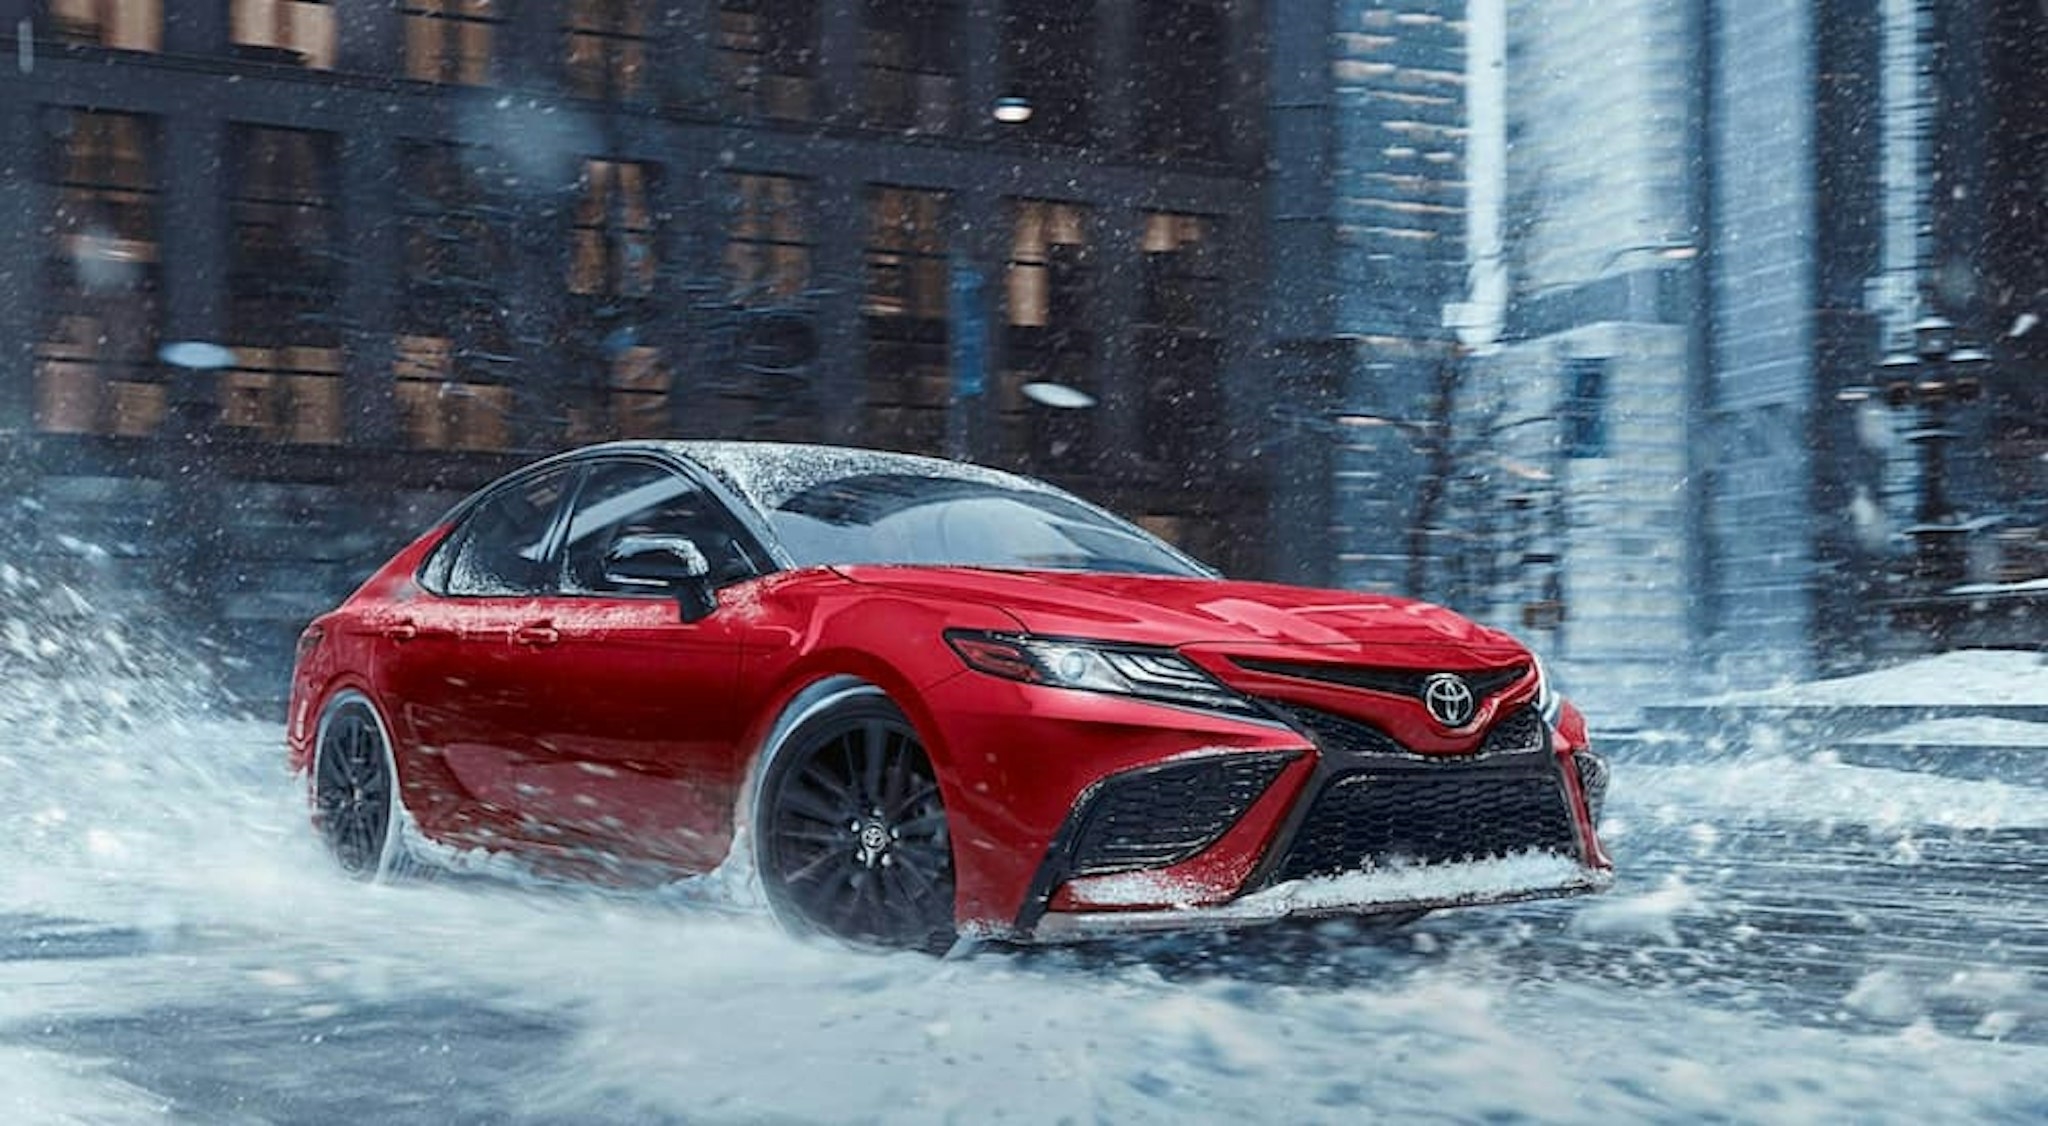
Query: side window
[(624, 498), (501, 547)]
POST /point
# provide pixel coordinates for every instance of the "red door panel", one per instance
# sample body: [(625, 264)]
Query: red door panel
[(461, 693), (636, 745)]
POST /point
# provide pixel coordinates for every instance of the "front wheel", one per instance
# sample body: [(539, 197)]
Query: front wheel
[(850, 831)]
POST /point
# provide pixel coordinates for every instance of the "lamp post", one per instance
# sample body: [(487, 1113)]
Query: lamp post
[(193, 549), (1936, 374)]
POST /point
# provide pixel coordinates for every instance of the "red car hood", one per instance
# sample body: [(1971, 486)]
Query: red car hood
[(1155, 610)]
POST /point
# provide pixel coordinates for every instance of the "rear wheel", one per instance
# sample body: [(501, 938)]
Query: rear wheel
[(355, 792), (850, 831)]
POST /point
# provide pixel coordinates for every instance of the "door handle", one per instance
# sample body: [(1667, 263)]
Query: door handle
[(539, 634), (401, 631)]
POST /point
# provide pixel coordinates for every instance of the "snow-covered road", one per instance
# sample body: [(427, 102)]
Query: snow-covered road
[(1792, 940)]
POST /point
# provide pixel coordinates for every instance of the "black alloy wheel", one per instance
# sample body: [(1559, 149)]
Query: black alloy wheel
[(353, 791), (851, 833)]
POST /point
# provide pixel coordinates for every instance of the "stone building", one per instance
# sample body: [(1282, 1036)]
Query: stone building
[(280, 280)]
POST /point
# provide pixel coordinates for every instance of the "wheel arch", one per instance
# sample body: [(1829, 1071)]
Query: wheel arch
[(302, 728), (815, 687)]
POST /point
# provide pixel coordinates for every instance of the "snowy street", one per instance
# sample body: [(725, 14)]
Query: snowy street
[(1791, 939)]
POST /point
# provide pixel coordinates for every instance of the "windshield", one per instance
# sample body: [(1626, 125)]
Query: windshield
[(898, 518)]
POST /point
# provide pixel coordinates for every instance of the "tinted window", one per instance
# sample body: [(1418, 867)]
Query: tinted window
[(637, 498), (937, 521), (501, 547)]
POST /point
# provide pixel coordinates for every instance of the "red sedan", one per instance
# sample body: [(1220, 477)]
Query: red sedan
[(910, 699)]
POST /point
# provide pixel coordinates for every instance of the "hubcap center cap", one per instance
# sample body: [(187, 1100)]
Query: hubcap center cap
[(873, 838)]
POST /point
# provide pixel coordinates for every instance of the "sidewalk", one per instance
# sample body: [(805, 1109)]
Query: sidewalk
[(1976, 713)]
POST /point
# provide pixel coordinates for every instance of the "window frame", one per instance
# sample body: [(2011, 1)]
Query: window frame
[(282, 37), (755, 535), (751, 231), (921, 23), (759, 560), (756, 63), (610, 190), (447, 53), (603, 28), (141, 31), (434, 571), (92, 138)]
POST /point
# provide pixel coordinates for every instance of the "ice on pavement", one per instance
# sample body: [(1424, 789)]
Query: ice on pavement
[(51, 1089), (1963, 731), (132, 811)]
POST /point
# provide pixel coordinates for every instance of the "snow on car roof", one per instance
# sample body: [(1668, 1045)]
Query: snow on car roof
[(770, 473)]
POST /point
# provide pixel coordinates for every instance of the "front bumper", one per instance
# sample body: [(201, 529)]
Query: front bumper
[(1392, 890), (1080, 815)]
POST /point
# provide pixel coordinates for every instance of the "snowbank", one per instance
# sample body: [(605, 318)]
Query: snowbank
[(1965, 678)]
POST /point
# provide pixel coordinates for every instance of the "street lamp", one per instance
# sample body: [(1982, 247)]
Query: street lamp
[(1935, 374)]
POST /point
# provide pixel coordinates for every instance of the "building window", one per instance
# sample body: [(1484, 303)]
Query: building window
[(613, 250), (608, 42), (906, 254), (909, 75), (1050, 268), (1183, 276), (299, 32), (633, 401), (284, 395), (909, 378), (1180, 78), (95, 360), (454, 351), (1048, 336), (130, 25), (768, 57), (1585, 408), (1179, 357), (441, 406), (450, 40), (613, 256), (768, 253), (283, 280), (1049, 60)]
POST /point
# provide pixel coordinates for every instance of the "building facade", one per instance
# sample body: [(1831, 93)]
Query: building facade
[(1368, 204), (1724, 222), (284, 279), (1577, 436)]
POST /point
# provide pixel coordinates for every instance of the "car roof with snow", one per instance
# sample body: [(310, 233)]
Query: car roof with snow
[(770, 473)]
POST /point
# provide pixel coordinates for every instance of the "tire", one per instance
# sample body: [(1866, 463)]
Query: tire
[(850, 832), (354, 784)]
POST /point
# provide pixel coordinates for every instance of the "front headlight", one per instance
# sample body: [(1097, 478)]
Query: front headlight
[(1092, 666), (1547, 700)]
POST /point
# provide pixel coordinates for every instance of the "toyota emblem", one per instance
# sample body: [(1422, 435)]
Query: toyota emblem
[(1449, 699)]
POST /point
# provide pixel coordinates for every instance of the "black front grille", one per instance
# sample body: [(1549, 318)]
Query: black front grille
[(1520, 730), (1336, 734), (1368, 819), (1593, 780), (1163, 815)]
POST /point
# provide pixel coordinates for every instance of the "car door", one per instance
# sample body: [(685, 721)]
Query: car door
[(457, 667), (640, 738)]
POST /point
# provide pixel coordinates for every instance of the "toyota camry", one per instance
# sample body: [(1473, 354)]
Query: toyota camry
[(900, 700)]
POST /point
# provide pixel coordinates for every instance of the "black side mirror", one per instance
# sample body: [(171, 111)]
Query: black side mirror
[(669, 564)]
